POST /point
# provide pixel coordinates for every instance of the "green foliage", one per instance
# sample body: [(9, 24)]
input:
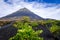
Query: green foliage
[(52, 25), (54, 28), (42, 22), (25, 32), (25, 28), (34, 23), (25, 18)]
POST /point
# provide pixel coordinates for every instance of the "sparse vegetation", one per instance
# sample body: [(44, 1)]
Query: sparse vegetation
[(26, 32), (2, 23)]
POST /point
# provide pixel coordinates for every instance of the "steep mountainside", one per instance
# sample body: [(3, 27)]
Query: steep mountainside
[(23, 12)]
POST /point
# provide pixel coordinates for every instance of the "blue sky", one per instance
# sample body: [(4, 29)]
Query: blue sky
[(43, 8), (46, 1)]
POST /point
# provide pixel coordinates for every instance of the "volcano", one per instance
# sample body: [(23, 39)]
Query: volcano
[(23, 12)]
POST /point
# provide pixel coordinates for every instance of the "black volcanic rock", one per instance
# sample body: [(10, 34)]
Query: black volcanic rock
[(24, 12)]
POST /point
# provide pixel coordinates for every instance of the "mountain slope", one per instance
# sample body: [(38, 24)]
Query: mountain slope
[(23, 12)]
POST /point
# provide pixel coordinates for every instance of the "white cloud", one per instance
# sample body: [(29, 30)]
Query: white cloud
[(44, 10)]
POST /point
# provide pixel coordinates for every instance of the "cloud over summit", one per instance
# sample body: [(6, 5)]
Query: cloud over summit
[(45, 10)]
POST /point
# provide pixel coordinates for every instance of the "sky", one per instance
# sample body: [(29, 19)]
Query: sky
[(43, 8)]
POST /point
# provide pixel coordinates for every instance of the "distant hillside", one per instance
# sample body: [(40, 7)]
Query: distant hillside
[(23, 12)]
